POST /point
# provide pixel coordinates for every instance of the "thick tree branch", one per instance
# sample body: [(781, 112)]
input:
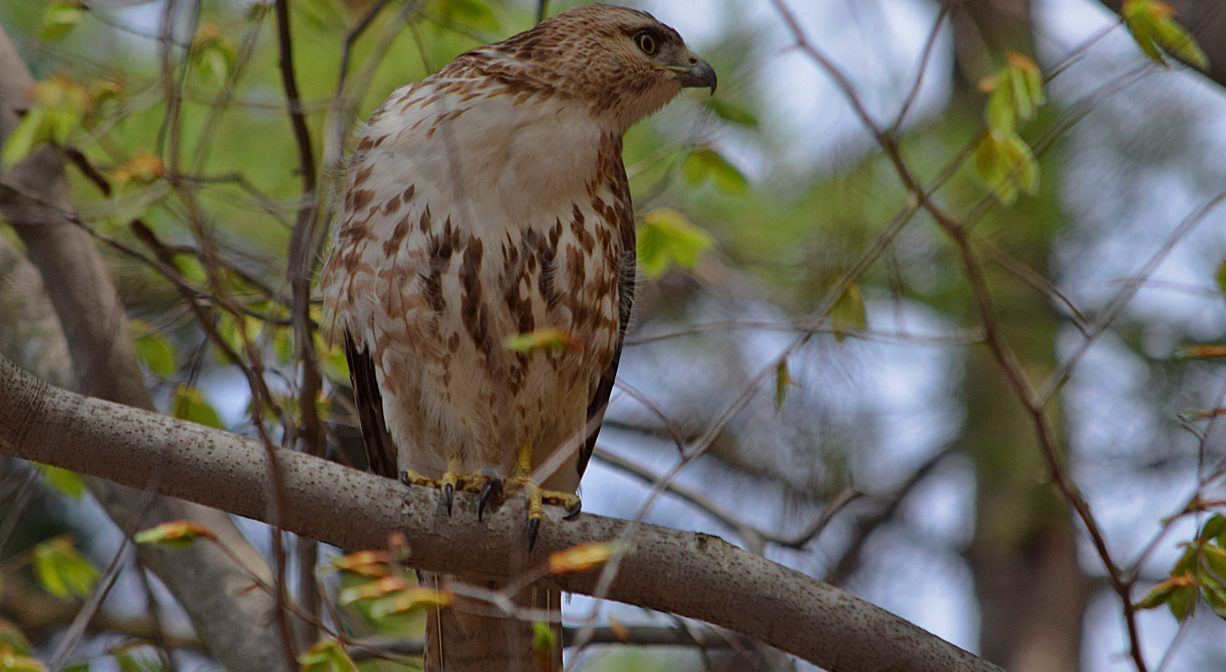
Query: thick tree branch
[(685, 573)]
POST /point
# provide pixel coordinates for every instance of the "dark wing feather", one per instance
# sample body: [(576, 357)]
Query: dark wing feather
[(600, 398), (380, 452)]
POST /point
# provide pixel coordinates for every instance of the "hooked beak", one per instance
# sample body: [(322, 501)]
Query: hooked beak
[(696, 73)]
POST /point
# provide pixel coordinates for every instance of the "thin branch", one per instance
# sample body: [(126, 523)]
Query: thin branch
[(754, 537)]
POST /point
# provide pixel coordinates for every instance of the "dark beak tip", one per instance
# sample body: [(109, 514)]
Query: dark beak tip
[(701, 74)]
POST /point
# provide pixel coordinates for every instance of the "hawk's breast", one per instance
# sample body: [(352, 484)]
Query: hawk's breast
[(471, 215)]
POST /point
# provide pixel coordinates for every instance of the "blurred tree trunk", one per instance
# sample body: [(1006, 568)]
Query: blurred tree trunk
[(1032, 594), (239, 625)]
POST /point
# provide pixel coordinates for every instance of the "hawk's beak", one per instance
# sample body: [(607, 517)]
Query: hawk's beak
[(696, 72)]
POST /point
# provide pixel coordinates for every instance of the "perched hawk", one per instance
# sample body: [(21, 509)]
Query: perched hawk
[(485, 201)]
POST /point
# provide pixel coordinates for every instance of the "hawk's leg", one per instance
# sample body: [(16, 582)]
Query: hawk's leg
[(538, 497)]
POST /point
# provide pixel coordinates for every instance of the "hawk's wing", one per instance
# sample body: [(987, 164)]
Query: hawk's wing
[(600, 398), (380, 451)]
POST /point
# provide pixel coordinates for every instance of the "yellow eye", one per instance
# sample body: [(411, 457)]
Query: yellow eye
[(646, 42)]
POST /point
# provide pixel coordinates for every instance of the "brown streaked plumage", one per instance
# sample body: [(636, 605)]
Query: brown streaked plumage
[(486, 200)]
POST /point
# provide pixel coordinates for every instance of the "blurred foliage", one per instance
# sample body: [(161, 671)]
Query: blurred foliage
[(1200, 572), (216, 191)]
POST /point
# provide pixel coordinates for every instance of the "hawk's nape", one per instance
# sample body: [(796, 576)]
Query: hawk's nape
[(487, 201)]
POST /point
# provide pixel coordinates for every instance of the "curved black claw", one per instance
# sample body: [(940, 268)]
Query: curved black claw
[(448, 495), (403, 477), (534, 525), (493, 488), (573, 511)]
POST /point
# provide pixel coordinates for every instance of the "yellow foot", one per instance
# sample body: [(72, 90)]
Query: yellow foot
[(537, 498), (448, 484)]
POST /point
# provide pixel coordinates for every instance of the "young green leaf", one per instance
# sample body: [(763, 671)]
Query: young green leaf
[(327, 655), (707, 164), (1153, 26), (213, 53), (409, 599), (1014, 94), (13, 639), (668, 239), (1213, 527), (583, 557), (369, 564), (60, 17), (544, 643), (175, 534), (154, 349), (547, 340), (59, 104), (190, 404), (369, 590), (1004, 163), (783, 380), (62, 570), (65, 481), (848, 313), (143, 169), (11, 661)]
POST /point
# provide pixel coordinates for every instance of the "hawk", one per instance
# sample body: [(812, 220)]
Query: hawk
[(485, 201)]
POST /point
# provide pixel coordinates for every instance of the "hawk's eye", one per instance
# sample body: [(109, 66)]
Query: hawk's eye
[(646, 42)]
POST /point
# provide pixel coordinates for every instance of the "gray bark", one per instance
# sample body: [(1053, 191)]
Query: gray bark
[(685, 573)]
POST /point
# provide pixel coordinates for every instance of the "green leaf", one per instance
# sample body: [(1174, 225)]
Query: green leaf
[(174, 534), (1004, 163), (327, 655), (154, 349), (189, 404), (60, 17), (544, 642), (1182, 602), (999, 112), (1221, 277), (731, 112), (332, 360), (27, 134), (13, 662), (668, 239), (137, 658), (848, 313), (65, 481), (1213, 560), (1157, 597), (13, 639), (1154, 28), (62, 570), (1214, 527), (548, 340), (1015, 94), (707, 164), (212, 53), (783, 380)]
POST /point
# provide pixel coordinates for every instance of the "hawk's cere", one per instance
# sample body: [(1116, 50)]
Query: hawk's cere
[(485, 201)]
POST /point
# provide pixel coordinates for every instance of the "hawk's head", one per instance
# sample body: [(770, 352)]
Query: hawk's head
[(620, 61)]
